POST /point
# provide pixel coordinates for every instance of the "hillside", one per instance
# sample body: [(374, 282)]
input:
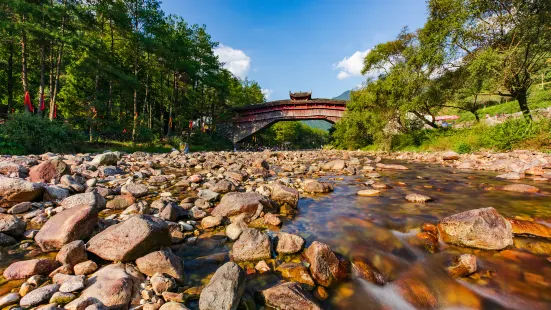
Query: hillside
[(343, 96)]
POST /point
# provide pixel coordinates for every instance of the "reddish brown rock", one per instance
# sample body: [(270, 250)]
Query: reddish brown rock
[(284, 195), (111, 285), (463, 265), (297, 273), (362, 268), (72, 253), (324, 264), (161, 262), (289, 296), (133, 238), (120, 202), (76, 223), (11, 225), (250, 203), (28, 268), (520, 188), (85, 268), (530, 228), (313, 186), (289, 243), (251, 245), (49, 170), (14, 191)]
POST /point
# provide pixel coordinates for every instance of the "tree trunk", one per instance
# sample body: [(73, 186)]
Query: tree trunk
[(522, 97), (136, 28), (58, 65), (426, 121), (10, 76), (24, 78), (42, 73)]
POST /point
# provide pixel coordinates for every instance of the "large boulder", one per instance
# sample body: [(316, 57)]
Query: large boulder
[(11, 225), (289, 296), (480, 228), (14, 191), (76, 223), (251, 245), (285, 195), (133, 238), (324, 264), (49, 170), (224, 289), (337, 164), (234, 203), (162, 262), (28, 268), (112, 286), (105, 159), (93, 199)]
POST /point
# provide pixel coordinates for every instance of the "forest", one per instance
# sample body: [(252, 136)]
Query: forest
[(111, 70), (468, 55)]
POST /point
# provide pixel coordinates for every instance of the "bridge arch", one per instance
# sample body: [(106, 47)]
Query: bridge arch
[(251, 119)]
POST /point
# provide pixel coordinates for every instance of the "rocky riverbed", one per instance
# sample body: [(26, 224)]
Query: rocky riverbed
[(276, 230)]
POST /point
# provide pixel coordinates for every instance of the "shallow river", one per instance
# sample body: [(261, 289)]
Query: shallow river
[(383, 230)]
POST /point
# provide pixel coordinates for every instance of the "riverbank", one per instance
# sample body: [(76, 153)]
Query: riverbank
[(302, 230)]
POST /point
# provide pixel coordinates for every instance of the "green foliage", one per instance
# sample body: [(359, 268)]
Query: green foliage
[(32, 134), (463, 148), (294, 135)]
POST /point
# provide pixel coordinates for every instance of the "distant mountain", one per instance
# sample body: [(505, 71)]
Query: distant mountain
[(343, 96), (318, 123)]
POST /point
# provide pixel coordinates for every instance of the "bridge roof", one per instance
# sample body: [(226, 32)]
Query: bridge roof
[(291, 102)]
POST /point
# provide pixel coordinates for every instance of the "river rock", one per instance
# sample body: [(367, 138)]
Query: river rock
[(211, 221), (297, 273), (55, 193), (390, 167), (60, 298), (289, 296), (49, 170), (162, 262), (39, 296), (92, 199), (450, 155), (463, 265), (284, 195), (133, 238), (162, 283), (223, 186), (480, 228), (120, 202), (417, 198), (76, 223), (28, 268), (10, 168), (369, 192), (6, 240), (208, 195), (8, 300), (251, 245), (11, 225), (234, 230), (234, 203), (72, 253), (337, 164), (85, 268), (530, 228), (136, 190), (313, 186), (20, 208), (173, 306), (72, 284), (13, 191), (105, 159), (289, 243), (224, 289), (510, 176), (520, 188), (324, 264), (111, 285)]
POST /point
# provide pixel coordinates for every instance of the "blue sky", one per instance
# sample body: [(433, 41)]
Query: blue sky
[(304, 45)]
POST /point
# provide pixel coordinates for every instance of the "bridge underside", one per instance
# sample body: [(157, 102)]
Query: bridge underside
[(253, 119)]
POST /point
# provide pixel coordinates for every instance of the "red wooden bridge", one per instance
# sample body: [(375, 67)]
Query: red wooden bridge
[(300, 106)]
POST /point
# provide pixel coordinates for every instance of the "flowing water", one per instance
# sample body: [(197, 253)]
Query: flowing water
[(383, 230)]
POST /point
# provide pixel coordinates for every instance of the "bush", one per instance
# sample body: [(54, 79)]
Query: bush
[(463, 148), (25, 133)]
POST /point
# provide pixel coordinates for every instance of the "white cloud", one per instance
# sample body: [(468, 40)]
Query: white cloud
[(236, 61), (351, 66), (267, 92)]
